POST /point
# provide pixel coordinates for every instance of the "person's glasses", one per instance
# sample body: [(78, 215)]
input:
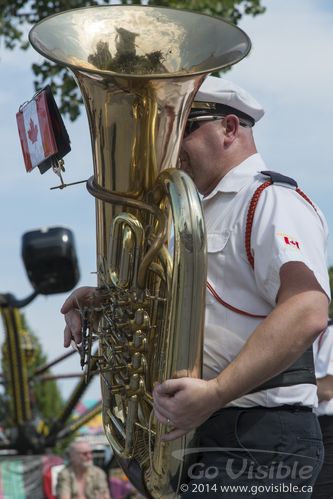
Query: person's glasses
[(193, 124)]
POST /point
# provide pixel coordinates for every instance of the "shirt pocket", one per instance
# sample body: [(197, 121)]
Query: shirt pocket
[(216, 249), (216, 241)]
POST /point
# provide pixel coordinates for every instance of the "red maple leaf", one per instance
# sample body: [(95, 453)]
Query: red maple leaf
[(33, 131)]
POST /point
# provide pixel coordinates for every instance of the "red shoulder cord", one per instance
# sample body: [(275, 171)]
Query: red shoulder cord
[(248, 231), (230, 307), (250, 216)]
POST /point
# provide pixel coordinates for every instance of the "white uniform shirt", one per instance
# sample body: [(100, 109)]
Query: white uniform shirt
[(285, 228), (323, 357)]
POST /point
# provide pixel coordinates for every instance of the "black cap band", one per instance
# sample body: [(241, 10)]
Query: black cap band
[(215, 109)]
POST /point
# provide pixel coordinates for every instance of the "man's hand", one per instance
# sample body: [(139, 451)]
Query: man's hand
[(81, 297), (184, 403)]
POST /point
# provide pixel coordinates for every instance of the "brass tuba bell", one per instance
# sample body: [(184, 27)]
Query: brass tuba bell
[(139, 69)]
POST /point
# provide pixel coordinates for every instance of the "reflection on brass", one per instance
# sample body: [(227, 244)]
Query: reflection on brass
[(102, 58), (139, 69), (126, 59)]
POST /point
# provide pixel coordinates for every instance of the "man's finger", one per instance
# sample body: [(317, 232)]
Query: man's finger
[(73, 321), (173, 434), (163, 403), (74, 324), (80, 297), (69, 304), (162, 416), (169, 387), (67, 337)]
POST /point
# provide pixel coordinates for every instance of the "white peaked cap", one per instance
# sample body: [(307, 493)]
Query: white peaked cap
[(226, 93)]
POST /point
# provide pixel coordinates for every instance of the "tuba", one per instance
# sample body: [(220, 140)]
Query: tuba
[(138, 69)]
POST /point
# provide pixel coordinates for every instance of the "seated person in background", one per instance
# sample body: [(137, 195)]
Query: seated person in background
[(323, 356), (80, 479)]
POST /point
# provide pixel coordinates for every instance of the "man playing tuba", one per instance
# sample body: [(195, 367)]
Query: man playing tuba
[(267, 300)]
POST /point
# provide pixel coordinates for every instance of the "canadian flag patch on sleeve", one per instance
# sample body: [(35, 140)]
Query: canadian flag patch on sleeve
[(289, 241)]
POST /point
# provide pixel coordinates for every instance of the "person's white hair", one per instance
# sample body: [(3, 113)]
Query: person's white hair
[(76, 442)]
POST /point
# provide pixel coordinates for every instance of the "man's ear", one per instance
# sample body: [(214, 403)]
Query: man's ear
[(231, 127)]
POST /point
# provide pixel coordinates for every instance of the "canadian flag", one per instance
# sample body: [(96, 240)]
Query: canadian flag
[(291, 242), (35, 131)]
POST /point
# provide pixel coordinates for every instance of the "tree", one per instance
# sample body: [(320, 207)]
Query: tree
[(16, 16)]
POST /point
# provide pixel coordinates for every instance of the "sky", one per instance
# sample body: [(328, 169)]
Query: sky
[(289, 70)]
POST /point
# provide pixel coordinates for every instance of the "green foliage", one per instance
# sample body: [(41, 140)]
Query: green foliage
[(16, 15), (231, 10)]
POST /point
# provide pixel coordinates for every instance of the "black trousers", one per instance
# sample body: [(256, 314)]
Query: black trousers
[(323, 488), (257, 452)]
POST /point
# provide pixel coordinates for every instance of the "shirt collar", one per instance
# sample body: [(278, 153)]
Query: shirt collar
[(239, 176)]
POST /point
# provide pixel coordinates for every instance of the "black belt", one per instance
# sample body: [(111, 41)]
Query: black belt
[(300, 372), (285, 407)]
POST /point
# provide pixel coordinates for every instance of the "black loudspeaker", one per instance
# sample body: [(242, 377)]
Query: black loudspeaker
[(50, 260)]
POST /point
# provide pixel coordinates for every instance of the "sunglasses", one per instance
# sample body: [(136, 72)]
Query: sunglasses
[(193, 124)]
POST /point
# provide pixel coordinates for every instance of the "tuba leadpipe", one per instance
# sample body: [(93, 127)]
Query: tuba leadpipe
[(138, 69)]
